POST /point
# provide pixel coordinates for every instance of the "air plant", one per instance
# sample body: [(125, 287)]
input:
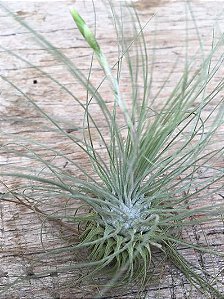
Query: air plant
[(145, 190)]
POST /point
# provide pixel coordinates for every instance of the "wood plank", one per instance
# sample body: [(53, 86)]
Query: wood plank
[(20, 228)]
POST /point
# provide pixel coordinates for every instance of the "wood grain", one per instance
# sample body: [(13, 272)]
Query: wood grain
[(20, 228)]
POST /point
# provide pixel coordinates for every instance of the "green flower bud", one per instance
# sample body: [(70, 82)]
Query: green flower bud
[(85, 31)]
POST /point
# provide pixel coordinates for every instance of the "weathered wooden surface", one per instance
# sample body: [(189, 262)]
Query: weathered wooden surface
[(20, 228)]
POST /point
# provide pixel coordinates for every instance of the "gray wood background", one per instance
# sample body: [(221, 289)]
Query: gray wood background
[(20, 228)]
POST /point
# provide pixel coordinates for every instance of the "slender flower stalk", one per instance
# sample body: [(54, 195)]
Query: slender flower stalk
[(92, 42)]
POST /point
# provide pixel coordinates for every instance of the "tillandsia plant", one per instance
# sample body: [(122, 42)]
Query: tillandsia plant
[(146, 189)]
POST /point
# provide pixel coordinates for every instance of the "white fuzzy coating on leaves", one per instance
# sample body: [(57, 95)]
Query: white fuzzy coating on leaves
[(135, 217)]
